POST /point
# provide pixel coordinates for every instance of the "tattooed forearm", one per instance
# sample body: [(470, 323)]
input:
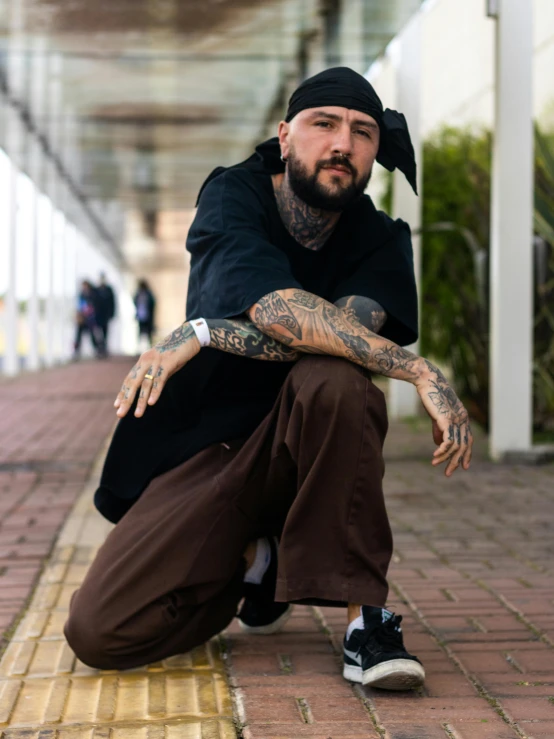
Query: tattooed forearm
[(311, 325), (242, 337), (320, 327), (176, 338), (365, 311), (276, 311)]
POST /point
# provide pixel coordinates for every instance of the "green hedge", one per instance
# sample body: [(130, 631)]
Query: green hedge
[(455, 280)]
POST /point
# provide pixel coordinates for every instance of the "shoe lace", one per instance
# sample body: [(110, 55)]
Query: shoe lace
[(387, 635)]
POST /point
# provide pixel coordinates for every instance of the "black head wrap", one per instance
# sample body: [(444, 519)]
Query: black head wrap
[(342, 87)]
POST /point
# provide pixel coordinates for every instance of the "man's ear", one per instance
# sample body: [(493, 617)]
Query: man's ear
[(283, 134)]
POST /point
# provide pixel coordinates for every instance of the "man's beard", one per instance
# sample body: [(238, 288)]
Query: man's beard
[(308, 188)]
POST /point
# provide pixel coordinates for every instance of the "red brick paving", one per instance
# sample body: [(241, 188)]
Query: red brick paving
[(472, 576), (52, 425)]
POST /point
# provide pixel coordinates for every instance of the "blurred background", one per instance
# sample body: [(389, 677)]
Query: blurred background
[(114, 112)]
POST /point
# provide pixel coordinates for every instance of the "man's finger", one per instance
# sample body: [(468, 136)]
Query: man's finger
[(119, 397), (445, 449), (469, 449), (157, 386), (145, 390), (437, 433), (133, 374), (453, 465), (128, 392), (447, 441)]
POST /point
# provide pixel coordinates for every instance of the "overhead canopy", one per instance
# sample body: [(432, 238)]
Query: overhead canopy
[(153, 94)]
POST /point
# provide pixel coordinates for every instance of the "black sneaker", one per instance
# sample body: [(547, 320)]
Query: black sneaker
[(375, 655), (260, 614)]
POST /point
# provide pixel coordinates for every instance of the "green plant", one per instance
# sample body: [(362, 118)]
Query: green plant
[(543, 364), (454, 280), (454, 327)]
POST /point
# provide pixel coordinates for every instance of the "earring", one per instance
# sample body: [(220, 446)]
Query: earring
[(283, 159)]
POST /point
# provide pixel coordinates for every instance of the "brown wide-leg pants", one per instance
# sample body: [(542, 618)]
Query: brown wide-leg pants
[(169, 575)]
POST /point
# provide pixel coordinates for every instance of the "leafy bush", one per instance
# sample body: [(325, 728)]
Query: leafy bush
[(454, 329), (455, 281), (544, 292)]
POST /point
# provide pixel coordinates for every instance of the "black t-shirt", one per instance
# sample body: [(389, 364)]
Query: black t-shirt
[(241, 251)]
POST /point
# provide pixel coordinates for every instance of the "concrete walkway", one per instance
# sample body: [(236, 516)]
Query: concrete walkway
[(471, 575)]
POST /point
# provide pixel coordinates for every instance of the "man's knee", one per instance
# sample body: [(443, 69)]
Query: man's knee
[(91, 642), (107, 641), (92, 632), (336, 388), (334, 378)]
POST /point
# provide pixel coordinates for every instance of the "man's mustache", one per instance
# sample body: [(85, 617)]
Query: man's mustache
[(338, 162)]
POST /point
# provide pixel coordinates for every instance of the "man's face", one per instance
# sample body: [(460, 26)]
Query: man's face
[(330, 153)]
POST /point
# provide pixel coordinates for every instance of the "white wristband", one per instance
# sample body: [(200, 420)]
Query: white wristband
[(202, 331)]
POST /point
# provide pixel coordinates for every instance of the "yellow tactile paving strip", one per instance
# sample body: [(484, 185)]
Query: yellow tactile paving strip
[(46, 693)]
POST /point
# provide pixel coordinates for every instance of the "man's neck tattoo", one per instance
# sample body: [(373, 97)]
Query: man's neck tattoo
[(311, 227)]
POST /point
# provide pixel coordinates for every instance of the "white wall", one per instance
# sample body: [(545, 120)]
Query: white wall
[(458, 65), (65, 256)]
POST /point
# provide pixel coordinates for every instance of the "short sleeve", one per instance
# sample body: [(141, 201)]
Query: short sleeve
[(386, 275), (233, 261)]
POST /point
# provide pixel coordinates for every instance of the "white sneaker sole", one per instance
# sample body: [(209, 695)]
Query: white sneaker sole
[(272, 628), (397, 674)]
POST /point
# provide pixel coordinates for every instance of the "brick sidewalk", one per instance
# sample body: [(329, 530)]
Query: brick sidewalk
[(52, 425), (471, 575)]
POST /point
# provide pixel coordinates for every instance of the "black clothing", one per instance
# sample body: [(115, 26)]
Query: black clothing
[(146, 328), (241, 251), (87, 322), (95, 338), (104, 304), (342, 87), (145, 305)]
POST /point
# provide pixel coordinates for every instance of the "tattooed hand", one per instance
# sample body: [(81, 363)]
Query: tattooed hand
[(451, 429), (159, 363)]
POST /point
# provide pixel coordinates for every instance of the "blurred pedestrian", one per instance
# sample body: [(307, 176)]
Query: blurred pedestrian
[(104, 300), (145, 304), (86, 319)]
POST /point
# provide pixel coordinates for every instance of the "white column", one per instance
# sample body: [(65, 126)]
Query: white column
[(512, 234), (11, 359), (68, 297), (33, 358), (49, 356), (54, 184), (59, 314), (403, 398), (36, 164), (14, 141)]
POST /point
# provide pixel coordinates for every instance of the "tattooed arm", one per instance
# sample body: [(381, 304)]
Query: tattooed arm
[(240, 336), (310, 324), (365, 311), (155, 366)]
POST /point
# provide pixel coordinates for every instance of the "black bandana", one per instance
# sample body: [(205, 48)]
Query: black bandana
[(344, 88)]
